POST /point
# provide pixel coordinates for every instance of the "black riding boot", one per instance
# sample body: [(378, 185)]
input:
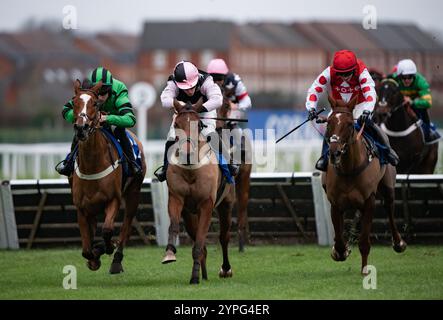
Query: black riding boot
[(161, 175), (134, 168), (66, 167), (234, 168), (322, 163), (380, 136)]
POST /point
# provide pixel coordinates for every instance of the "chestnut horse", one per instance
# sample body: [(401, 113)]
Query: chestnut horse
[(242, 179), (96, 183), (352, 180), (194, 193), (401, 125)]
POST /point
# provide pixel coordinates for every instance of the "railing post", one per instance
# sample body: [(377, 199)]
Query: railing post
[(159, 192), (322, 208), (8, 226)]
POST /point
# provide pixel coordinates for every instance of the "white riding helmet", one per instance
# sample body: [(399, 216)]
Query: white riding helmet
[(406, 67)]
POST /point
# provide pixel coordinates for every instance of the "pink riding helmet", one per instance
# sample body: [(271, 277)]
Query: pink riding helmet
[(218, 66), (185, 75)]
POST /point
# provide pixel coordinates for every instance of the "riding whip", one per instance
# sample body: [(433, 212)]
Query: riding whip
[(316, 114)]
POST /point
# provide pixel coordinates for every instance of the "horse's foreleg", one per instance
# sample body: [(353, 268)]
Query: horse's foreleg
[(242, 195), (204, 221), (86, 235), (131, 204), (111, 211), (386, 189), (175, 207), (224, 214), (366, 223), (340, 251)]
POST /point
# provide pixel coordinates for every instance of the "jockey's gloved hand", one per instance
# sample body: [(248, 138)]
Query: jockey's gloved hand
[(312, 114), (364, 117)]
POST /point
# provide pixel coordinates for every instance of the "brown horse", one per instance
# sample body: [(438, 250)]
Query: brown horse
[(97, 182), (242, 179), (401, 125), (352, 180), (195, 190)]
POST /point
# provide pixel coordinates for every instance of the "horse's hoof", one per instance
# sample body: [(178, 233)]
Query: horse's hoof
[(225, 274), (400, 247), (364, 271), (116, 268), (94, 265), (340, 257), (194, 281), (169, 257), (109, 250)]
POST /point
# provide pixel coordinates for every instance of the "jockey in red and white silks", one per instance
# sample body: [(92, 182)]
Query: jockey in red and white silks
[(346, 78)]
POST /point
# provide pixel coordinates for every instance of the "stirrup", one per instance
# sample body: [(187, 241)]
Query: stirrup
[(322, 164), (234, 169), (63, 168), (161, 176)]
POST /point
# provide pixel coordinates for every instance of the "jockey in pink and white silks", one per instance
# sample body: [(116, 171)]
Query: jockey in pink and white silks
[(188, 84), (346, 79), (235, 91)]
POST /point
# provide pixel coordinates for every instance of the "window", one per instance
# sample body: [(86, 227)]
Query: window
[(205, 58), (183, 55), (159, 59)]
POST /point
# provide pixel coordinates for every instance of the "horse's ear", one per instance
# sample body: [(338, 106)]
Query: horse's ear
[(97, 87), (351, 104), (332, 101), (77, 86), (177, 105)]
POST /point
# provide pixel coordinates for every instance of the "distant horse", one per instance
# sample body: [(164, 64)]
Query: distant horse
[(97, 182), (352, 180), (242, 180), (195, 190), (403, 128)]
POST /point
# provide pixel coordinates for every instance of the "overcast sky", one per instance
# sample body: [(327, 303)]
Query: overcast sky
[(128, 15)]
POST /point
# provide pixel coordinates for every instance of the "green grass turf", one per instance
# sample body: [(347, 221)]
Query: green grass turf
[(262, 272)]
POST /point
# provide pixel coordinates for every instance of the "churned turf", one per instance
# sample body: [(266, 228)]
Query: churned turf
[(262, 272)]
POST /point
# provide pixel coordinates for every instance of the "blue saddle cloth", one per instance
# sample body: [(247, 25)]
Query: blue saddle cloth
[(381, 149), (432, 128), (224, 167), (137, 155)]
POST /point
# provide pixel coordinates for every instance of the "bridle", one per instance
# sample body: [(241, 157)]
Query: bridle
[(91, 124), (345, 146), (194, 147), (383, 103)]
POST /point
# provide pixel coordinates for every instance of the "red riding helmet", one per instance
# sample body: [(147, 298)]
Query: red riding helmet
[(344, 61)]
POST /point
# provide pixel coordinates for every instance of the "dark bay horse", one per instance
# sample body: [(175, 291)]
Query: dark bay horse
[(242, 180), (403, 128), (353, 179), (196, 188), (96, 183)]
